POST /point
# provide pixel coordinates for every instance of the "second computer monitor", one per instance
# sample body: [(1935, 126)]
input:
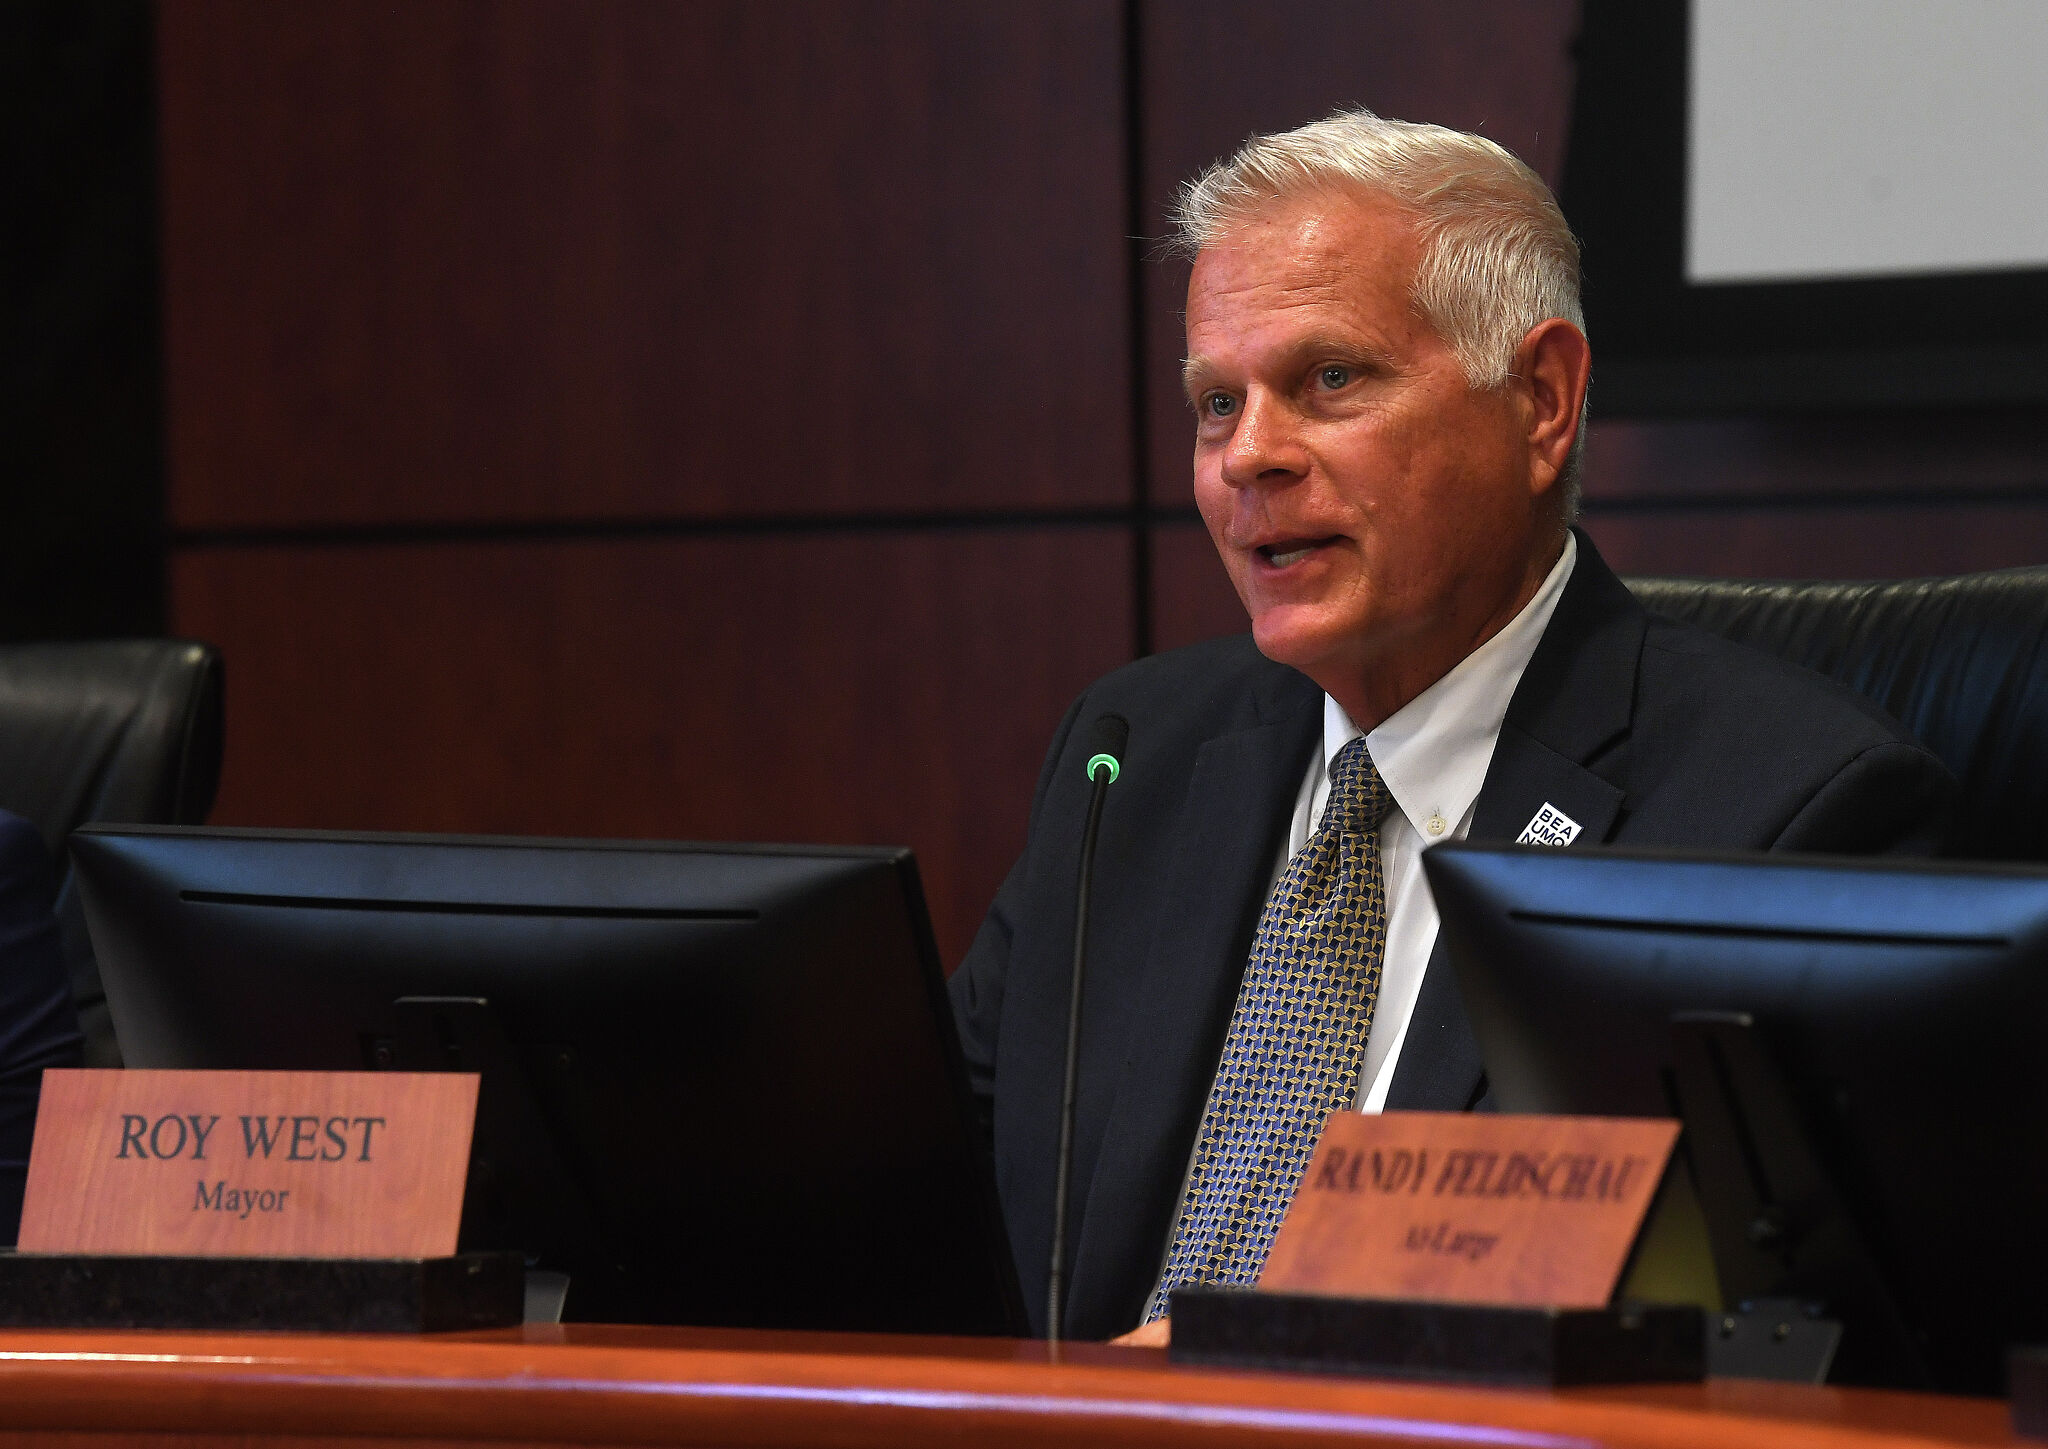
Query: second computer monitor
[(1886, 1019), (719, 1082)]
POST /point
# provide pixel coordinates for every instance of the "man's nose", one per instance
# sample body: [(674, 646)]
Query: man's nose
[(1266, 446)]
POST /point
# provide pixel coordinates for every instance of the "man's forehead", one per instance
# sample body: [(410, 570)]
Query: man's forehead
[(1328, 230), (1338, 265), (1232, 280), (1325, 225), (1318, 249)]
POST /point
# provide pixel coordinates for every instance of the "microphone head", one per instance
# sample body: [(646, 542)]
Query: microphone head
[(1106, 745)]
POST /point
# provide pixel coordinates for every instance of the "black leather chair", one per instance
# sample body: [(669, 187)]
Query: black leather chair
[(1962, 662), (125, 731)]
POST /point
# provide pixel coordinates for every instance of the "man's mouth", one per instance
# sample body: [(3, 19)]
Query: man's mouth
[(1288, 551)]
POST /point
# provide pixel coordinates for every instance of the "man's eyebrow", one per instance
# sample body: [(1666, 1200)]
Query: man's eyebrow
[(1331, 344), (1197, 370)]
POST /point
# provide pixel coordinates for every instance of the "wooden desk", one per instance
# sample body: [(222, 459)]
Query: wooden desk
[(684, 1386)]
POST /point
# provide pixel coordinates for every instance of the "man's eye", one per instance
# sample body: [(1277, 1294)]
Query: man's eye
[(1220, 405), (1334, 376)]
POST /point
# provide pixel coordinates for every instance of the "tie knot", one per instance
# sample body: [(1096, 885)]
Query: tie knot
[(1358, 797)]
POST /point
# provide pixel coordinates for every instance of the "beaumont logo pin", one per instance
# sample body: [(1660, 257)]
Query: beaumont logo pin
[(1549, 826)]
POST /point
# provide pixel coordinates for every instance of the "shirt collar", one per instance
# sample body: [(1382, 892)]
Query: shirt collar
[(1432, 753)]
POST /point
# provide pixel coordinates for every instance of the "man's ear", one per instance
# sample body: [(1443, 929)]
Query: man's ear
[(1553, 364)]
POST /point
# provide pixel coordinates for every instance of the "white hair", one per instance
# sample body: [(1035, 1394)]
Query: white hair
[(1497, 257)]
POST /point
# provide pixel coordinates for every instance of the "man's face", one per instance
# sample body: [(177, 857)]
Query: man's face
[(1369, 505)]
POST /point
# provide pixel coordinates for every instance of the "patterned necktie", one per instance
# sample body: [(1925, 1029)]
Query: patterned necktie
[(1296, 1041)]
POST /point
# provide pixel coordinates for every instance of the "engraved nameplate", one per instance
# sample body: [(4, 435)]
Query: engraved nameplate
[(249, 1164), (1471, 1207)]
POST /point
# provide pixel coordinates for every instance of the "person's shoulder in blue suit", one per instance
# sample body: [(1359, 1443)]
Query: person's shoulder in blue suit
[(38, 1024)]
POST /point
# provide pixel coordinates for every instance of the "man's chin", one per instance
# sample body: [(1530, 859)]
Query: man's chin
[(1296, 642)]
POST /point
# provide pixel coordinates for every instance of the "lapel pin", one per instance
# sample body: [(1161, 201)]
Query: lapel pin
[(1549, 826)]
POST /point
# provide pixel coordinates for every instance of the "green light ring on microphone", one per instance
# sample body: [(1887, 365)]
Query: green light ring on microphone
[(1109, 760)]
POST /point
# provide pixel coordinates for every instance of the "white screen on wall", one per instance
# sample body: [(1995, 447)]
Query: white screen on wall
[(1865, 138)]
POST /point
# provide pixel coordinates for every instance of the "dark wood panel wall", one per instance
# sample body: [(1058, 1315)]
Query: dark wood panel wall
[(546, 259), (700, 420), (727, 420)]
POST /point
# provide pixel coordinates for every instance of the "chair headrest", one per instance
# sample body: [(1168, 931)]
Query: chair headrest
[(122, 730), (1960, 662)]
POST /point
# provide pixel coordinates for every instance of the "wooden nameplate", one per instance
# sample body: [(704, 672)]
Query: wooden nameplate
[(1469, 1246), (249, 1164), (297, 1200)]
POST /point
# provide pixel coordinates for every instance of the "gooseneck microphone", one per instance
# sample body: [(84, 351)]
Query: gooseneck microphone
[(1105, 762)]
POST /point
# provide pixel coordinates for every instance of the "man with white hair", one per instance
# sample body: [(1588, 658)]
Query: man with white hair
[(1388, 369)]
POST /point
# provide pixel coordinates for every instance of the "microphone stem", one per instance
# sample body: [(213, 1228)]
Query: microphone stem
[(1055, 1288)]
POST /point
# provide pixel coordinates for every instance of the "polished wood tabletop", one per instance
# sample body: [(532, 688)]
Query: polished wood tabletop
[(605, 1385)]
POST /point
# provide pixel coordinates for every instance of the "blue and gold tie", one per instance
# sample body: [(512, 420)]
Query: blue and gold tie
[(1296, 1041)]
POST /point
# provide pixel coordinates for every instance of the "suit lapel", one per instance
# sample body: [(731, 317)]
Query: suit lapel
[(1526, 775), (1570, 712), (1239, 802), (1577, 697)]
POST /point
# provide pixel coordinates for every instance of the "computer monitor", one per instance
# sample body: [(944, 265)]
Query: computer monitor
[(1856, 1046), (720, 1083)]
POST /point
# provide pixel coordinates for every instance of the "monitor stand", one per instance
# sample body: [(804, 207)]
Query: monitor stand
[(1806, 1300), (515, 1154)]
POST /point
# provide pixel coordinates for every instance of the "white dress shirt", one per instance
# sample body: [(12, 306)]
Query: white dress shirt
[(1432, 753)]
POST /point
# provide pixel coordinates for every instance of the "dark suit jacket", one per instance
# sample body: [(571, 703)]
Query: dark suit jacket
[(38, 1025), (1645, 731)]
